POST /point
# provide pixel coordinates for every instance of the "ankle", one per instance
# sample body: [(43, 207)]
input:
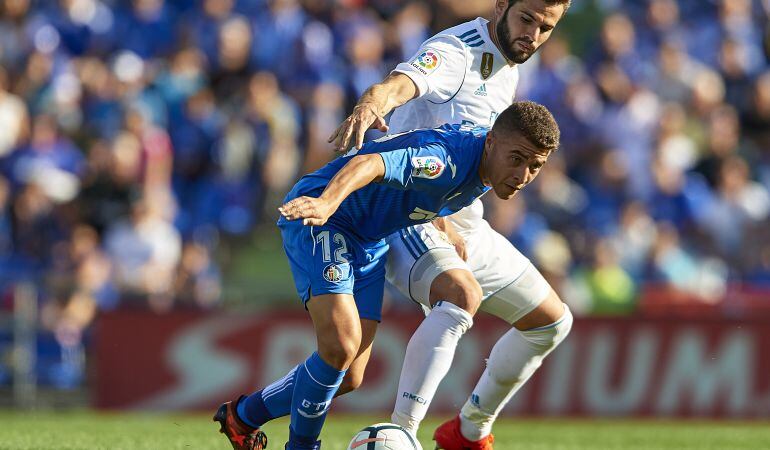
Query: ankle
[(299, 442)]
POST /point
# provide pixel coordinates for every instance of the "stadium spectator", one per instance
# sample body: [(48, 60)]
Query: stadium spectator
[(146, 250), (13, 116), (220, 104)]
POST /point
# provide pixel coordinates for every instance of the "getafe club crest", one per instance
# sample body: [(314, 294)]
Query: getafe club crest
[(429, 167), (487, 62), (333, 273)]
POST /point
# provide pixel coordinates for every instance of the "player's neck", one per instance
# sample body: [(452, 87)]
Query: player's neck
[(493, 36), (483, 167)]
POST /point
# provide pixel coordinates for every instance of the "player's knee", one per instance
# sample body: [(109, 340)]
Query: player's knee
[(339, 353), (549, 336), (518, 354), (351, 382), (459, 287)]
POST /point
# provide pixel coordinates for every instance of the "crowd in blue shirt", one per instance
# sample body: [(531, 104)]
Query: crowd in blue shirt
[(138, 137), (665, 167)]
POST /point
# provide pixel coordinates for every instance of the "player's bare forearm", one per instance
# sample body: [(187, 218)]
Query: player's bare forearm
[(360, 171), (371, 109), (392, 92)]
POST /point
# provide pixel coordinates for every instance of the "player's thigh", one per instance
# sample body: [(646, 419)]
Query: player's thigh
[(493, 259), (416, 257), (319, 258), (546, 313), (322, 261), (519, 298), (369, 274), (369, 288), (337, 327)]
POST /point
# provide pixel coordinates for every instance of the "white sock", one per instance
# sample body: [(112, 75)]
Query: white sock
[(513, 360), (428, 358)]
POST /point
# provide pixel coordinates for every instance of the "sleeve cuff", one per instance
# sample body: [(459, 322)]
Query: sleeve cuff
[(388, 172), (418, 79)]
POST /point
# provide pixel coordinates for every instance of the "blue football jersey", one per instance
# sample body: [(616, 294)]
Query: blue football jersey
[(428, 173)]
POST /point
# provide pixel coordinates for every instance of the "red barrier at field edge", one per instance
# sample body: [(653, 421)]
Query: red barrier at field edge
[(618, 367)]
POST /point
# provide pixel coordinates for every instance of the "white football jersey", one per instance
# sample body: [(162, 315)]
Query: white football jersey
[(462, 78)]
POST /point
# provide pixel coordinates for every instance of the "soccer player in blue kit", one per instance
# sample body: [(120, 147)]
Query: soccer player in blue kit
[(333, 227)]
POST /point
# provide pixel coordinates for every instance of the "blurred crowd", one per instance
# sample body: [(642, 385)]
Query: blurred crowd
[(139, 137), (664, 176)]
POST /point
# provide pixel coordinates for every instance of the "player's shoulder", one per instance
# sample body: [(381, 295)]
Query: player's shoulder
[(457, 137), (468, 34), (458, 130)]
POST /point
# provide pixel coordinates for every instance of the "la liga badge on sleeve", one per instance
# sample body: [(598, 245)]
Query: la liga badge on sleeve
[(426, 62), (429, 167)]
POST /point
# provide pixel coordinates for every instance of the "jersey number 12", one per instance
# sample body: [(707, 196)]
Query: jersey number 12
[(342, 247)]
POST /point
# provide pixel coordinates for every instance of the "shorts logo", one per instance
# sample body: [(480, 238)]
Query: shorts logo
[(426, 62), (429, 167), (333, 273)]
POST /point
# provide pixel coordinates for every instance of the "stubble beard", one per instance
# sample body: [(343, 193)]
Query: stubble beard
[(507, 44)]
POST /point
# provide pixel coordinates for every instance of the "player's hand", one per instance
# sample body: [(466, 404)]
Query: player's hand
[(353, 129), (312, 211), (455, 239), (451, 235)]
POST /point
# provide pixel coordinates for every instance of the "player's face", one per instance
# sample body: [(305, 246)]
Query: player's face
[(524, 26), (512, 163)]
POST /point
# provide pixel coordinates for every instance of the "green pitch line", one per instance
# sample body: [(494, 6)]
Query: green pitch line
[(89, 431)]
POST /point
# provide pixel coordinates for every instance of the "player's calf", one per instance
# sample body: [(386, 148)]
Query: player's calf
[(454, 296), (350, 383), (513, 360), (429, 355), (355, 375)]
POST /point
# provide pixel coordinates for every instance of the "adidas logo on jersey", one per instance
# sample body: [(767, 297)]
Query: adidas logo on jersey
[(481, 91)]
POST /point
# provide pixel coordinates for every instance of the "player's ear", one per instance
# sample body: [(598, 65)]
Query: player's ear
[(490, 140), (500, 7)]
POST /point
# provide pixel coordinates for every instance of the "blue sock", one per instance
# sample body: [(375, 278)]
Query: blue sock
[(270, 403), (315, 385)]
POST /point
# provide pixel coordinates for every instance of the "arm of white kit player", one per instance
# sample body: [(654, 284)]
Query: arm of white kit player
[(371, 109), (437, 69)]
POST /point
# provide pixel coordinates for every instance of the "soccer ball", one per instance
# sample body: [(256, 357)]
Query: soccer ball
[(384, 436)]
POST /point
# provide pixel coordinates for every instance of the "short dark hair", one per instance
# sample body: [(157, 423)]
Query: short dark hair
[(566, 3), (533, 121)]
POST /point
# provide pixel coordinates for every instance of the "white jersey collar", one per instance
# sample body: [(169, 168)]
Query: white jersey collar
[(489, 44)]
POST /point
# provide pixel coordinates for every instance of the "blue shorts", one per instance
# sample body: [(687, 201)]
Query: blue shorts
[(328, 260)]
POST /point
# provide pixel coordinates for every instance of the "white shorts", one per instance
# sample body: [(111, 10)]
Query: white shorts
[(510, 284)]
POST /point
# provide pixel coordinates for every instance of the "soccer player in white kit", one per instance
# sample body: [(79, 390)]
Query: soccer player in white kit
[(455, 266)]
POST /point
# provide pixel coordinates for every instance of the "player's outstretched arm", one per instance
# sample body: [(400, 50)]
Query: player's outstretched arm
[(371, 109), (360, 171)]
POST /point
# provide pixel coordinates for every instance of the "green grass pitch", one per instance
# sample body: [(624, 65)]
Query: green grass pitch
[(85, 430)]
